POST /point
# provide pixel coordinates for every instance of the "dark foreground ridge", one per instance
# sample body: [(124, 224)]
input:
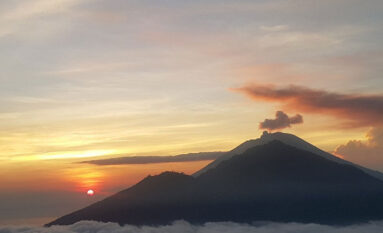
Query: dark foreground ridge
[(269, 182)]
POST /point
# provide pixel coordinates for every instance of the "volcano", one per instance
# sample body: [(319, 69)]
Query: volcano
[(278, 177)]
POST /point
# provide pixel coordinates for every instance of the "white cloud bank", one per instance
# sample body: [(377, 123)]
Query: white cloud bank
[(185, 227)]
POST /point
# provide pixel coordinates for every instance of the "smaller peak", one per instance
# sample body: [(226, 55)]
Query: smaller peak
[(166, 175), (172, 173), (170, 176)]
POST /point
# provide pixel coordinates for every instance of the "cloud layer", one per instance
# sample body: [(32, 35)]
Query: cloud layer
[(359, 110), (368, 153), (157, 159), (185, 227), (281, 121)]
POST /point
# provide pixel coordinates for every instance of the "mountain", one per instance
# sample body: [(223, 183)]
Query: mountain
[(264, 180), (288, 139)]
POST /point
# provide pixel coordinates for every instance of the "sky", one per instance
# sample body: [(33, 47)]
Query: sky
[(98, 79)]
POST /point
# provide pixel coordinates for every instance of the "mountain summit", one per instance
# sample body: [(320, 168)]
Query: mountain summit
[(278, 177)]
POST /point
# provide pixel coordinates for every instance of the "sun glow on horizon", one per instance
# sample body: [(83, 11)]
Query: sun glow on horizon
[(86, 178)]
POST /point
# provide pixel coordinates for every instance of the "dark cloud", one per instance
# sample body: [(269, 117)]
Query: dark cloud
[(359, 110), (281, 121), (182, 226), (367, 153), (157, 159)]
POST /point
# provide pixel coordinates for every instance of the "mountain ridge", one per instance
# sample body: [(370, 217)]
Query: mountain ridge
[(289, 139), (273, 182)]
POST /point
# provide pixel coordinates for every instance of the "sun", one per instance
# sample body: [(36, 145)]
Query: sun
[(90, 192)]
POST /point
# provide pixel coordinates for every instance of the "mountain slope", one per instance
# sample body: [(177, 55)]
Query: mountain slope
[(273, 182), (137, 205)]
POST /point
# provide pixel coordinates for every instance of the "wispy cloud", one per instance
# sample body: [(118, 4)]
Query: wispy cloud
[(14, 16), (358, 109), (28, 9), (274, 28), (157, 159)]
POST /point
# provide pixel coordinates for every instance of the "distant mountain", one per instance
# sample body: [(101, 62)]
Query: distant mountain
[(268, 181)]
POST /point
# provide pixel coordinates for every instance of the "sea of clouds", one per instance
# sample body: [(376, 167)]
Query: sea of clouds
[(185, 227)]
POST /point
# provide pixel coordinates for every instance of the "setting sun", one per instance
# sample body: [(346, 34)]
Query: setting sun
[(90, 192)]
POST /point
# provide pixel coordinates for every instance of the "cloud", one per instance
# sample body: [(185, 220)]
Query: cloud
[(157, 159), (368, 153), (182, 226), (357, 109), (281, 121), (275, 28)]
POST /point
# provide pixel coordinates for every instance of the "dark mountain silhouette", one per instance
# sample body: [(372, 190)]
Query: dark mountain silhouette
[(268, 182), (288, 139)]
